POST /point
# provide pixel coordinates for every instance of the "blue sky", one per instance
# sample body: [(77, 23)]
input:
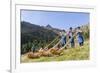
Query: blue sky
[(61, 20)]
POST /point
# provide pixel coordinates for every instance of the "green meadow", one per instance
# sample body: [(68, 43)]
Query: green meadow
[(77, 53)]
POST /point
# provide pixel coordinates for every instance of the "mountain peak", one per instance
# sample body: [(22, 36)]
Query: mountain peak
[(49, 26)]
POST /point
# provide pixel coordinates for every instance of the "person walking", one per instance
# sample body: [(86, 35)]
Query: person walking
[(63, 38), (70, 34), (80, 37)]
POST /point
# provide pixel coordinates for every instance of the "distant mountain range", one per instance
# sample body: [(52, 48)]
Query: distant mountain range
[(32, 32)]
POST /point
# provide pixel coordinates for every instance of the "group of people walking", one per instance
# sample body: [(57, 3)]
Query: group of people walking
[(71, 34)]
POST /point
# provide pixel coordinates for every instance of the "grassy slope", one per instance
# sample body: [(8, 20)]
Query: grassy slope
[(69, 54)]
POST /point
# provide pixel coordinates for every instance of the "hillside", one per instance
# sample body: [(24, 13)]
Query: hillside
[(32, 34)]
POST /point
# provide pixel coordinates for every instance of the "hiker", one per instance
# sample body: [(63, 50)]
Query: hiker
[(63, 38), (80, 36), (70, 34)]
